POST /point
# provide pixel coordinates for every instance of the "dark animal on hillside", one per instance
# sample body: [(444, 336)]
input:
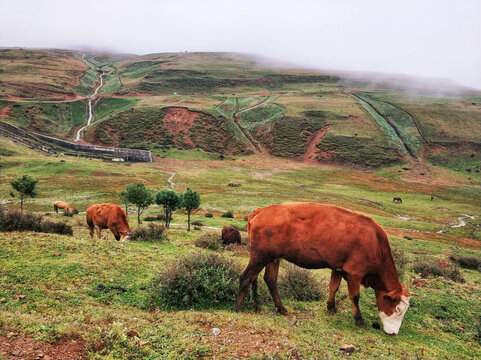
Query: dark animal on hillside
[(230, 235), (397, 200), (432, 198), (65, 206), (108, 216), (316, 236)]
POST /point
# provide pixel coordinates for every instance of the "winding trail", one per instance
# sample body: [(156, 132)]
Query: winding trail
[(91, 114), (312, 149), (169, 180)]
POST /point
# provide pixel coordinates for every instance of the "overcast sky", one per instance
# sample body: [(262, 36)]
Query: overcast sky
[(432, 38)]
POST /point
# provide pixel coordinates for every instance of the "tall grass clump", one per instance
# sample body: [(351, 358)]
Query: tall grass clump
[(151, 232), (467, 262), (438, 269), (299, 284), (209, 241), (197, 281), (14, 220)]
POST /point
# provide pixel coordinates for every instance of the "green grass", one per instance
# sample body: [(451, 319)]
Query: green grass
[(63, 296), (56, 119)]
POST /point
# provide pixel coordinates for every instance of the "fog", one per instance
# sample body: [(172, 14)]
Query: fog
[(435, 38)]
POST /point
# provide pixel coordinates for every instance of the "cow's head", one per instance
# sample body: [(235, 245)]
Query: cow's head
[(392, 307)]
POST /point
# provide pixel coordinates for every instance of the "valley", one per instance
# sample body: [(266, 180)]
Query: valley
[(244, 136)]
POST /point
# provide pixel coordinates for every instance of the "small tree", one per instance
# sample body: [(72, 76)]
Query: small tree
[(170, 201), (138, 195), (190, 202), (123, 198), (25, 186)]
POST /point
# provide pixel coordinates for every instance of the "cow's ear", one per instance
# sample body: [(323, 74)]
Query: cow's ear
[(392, 296)]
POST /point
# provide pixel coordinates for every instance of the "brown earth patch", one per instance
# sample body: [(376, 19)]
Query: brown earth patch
[(4, 114), (245, 343), (432, 236), (98, 173), (312, 149), (179, 120), (27, 348)]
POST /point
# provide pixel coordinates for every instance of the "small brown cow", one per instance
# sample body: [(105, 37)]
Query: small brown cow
[(316, 236), (65, 206), (397, 200), (230, 235), (108, 216)]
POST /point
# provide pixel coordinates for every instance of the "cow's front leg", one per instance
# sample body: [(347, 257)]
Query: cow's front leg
[(354, 287)]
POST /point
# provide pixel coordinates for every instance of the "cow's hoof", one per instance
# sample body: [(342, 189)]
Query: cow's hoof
[(281, 310), (331, 308), (360, 322)]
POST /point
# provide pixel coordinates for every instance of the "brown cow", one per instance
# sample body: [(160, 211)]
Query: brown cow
[(63, 205), (230, 235), (317, 236), (397, 199), (108, 216)]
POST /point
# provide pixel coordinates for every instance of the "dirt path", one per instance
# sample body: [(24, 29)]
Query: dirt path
[(169, 180), (91, 114), (311, 152), (4, 114)]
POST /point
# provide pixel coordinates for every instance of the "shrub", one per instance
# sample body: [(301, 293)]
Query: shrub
[(399, 259), (158, 217), (208, 215), (151, 232), (467, 262), (209, 241), (19, 221), (197, 281), (68, 214), (228, 214), (299, 284), (440, 269), (197, 223), (56, 228)]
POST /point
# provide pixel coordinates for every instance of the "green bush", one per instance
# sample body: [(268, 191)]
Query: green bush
[(228, 214), (439, 269), (209, 241), (24, 221), (467, 262), (299, 284), (197, 281), (151, 232), (208, 215), (158, 217)]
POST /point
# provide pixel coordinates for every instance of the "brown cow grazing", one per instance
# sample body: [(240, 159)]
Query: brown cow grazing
[(397, 199), (230, 235), (108, 216), (65, 206), (317, 236)]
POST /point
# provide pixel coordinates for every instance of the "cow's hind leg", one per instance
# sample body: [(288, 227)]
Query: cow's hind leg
[(270, 277), (246, 279), (336, 278), (354, 289)]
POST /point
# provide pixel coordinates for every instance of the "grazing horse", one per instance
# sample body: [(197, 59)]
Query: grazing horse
[(65, 206), (397, 200), (108, 216), (315, 236)]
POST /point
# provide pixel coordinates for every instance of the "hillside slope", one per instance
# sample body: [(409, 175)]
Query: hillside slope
[(230, 104)]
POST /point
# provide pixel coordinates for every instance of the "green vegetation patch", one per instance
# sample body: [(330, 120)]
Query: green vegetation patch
[(356, 151)]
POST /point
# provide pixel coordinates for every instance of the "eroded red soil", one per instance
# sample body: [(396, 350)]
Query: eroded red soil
[(27, 348), (312, 149), (4, 114)]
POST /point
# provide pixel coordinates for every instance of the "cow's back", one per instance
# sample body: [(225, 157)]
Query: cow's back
[(309, 234), (103, 214)]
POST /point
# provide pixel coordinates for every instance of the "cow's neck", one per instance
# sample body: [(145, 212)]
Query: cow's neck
[(388, 279)]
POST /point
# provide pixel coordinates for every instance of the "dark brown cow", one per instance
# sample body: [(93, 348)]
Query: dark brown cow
[(108, 216), (317, 236), (230, 235), (397, 199), (63, 205)]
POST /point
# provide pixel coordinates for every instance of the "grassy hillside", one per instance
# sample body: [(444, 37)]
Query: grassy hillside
[(39, 74), (248, 107), (95, 292)]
